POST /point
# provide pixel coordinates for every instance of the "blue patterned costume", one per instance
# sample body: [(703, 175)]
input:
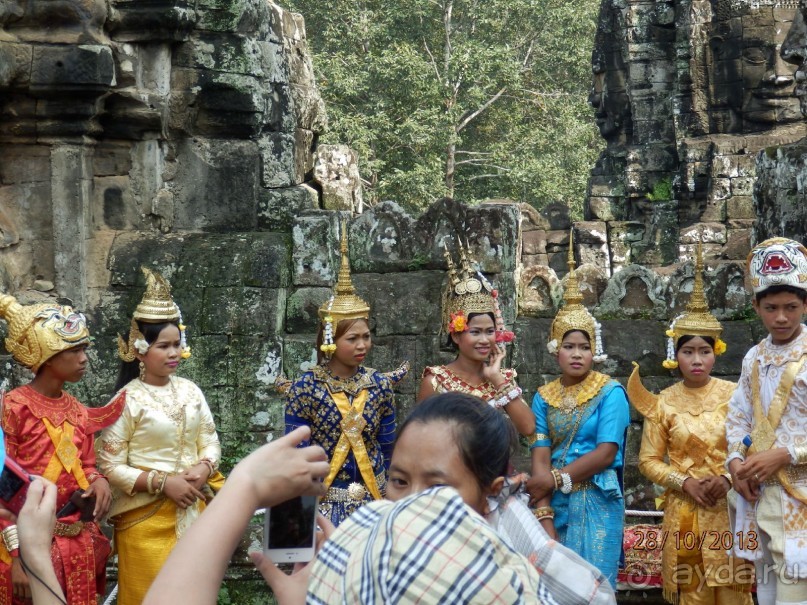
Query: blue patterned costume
[(590, 519), (310, 402)]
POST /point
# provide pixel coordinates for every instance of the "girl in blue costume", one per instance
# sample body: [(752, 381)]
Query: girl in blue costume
[(577, 453), (349, 408)]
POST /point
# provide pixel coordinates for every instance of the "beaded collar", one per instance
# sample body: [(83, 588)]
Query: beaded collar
[(352, 386), (558, 396)]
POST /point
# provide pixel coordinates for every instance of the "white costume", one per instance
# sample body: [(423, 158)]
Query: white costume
[(768, 411)]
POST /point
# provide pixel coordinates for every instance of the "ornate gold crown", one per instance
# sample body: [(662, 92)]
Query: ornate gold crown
[(156, 306), (343, 304), (465, 293), (574, 315), (38, 332), (697, 321)]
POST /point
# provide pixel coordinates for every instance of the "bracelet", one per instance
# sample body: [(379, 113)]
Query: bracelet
[(738, 448), (566, 488), (209, 464), (504, 387), (557, 477), (502, 401), (676, 480), (798, 454), (150, 482), (10, 538), (161, 486), (544, 512), (94, 476)]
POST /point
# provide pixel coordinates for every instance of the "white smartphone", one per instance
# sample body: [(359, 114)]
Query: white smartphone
[(289, 531)]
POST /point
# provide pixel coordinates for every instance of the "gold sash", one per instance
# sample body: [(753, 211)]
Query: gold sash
[(352, 425), (66, 455), (763, 436)]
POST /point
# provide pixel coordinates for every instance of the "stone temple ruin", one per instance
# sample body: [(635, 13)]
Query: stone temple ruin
[(686, 95), (183, 136)]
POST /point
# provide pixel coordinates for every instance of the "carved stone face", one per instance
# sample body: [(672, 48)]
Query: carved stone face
[(794, 50), (609, 96), (749, 74)]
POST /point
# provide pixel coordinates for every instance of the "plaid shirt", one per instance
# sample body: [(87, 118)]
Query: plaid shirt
[(565, 577), (427, 548)]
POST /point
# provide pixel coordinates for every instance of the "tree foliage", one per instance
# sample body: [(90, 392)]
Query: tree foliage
[(463, 98)]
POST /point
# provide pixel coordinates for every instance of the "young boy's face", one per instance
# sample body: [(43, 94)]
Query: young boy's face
[(782, 314), (69, 365)]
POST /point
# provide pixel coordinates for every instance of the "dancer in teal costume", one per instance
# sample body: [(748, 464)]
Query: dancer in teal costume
[(589, 520), (581, 420)]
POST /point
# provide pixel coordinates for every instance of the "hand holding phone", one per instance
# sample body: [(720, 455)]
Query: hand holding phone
[(14, 482), (289, 531)]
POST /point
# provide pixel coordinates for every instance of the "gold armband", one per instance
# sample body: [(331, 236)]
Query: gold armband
[(800, 454), (676, 480), (11, 539), (738, 448)]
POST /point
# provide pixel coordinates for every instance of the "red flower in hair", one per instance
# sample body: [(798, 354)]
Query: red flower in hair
[(505, 336)]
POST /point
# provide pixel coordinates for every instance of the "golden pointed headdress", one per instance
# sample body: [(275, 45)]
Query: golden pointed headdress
[(697, 320), (574, 315), (344, 303), (38, 332), (156, 306), (465, 293)]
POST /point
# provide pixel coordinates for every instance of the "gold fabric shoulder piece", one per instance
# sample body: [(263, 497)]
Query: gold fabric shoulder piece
[(282, 384), (555, 394), (398, 374), (642, 399)]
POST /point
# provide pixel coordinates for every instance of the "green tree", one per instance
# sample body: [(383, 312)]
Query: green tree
[(463, 98)]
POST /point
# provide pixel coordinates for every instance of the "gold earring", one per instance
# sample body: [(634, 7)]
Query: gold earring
[(142, 371)]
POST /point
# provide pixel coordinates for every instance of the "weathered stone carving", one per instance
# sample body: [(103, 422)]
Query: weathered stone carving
[(780, 203), (705, 91)]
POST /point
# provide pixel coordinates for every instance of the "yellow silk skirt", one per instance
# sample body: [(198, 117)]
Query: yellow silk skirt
[(143, 548)]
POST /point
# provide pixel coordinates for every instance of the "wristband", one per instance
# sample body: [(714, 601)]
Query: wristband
[(566, 488), (11, 540)]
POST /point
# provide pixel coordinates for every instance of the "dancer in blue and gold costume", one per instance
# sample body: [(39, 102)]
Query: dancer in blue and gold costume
[(350, 408), (577, 454)]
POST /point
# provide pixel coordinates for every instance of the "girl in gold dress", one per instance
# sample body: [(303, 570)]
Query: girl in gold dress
[(684, 450), (162, 454)]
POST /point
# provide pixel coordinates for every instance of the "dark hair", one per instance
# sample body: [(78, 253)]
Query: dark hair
[(802, 294), (453, 345), (341, 327), (687, 337), (129, 370), (484, 437), (583, 332)]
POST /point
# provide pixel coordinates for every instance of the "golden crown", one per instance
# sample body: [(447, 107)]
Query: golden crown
[(465, 293), (344, 304), (156, 306), (574, 315), (38, 332), (697, 320)]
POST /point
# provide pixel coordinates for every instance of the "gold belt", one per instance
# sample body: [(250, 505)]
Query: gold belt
[(68, 530), (355, 492)]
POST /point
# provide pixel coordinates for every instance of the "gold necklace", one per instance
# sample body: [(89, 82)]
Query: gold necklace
[(569, 396)]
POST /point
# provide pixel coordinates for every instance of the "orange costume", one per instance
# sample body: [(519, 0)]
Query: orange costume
[(53, 438)]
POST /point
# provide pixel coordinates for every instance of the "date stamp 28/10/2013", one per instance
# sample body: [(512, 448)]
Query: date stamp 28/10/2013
[(651, 539)]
